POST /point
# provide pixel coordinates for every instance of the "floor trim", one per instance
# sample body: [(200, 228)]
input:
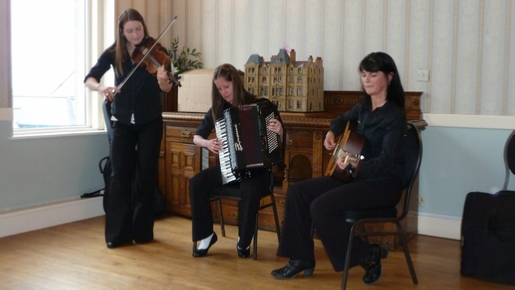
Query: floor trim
[(441, 226), (16, 222), (31, 219)]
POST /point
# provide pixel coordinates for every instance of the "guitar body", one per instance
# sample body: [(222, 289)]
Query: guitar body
[(350, 142)]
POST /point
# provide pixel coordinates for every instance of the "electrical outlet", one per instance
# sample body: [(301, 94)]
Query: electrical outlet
[(421, 201), (423, 75)]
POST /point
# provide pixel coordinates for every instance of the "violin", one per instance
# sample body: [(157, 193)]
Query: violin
[(156, 57), (151, 55)]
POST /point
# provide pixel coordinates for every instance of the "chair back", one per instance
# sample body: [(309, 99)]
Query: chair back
[(106, 108), (412, 158), (509, 158)]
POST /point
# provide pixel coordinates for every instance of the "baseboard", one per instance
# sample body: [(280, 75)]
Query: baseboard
[(26, 220), (16, 222), (441, 226)]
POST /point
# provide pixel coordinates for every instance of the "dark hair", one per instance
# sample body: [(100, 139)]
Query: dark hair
[(240, 96), (120, 45), (380, 61)]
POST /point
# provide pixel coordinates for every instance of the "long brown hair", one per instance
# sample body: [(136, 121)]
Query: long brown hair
[(120, 45), (240, 96)]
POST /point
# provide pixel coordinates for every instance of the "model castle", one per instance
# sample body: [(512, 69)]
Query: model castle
[(293, 86)]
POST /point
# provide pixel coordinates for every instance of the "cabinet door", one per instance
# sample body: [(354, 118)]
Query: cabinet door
[(304, 156), (183, 162)]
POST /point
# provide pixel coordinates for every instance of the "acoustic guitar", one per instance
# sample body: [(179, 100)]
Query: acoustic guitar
[(351, 142)]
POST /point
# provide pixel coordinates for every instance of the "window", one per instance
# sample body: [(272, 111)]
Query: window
[(48, 44)]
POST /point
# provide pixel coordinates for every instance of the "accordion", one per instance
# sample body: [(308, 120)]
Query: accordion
[(247, 143)]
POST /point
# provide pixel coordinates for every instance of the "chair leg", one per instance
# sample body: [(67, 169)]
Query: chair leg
[(363, 230), (347, 259), (222, 224), (406, 253), (276, 217), (254, 242)]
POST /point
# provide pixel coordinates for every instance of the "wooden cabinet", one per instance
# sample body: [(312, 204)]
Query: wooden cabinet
[(182, 160), (305, 158)]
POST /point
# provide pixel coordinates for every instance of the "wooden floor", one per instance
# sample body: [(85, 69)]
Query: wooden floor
[(74, 256)]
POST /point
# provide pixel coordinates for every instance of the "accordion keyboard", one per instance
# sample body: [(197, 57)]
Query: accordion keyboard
[(224, 154)]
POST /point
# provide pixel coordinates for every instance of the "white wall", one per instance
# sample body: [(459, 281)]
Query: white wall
[(467, 45)]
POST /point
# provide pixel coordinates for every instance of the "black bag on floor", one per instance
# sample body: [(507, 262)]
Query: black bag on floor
[(104, 165), (488, 236)]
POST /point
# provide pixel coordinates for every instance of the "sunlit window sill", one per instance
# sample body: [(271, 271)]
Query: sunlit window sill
[(56, 133)]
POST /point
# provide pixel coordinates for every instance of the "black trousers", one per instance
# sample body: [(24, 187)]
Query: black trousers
[(320, 202), (251, 191), (134, 157)]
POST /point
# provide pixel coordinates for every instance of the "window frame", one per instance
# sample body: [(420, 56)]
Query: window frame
[(99, 14)]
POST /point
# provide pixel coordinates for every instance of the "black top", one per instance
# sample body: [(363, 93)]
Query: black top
[(208, 125), (139, 95), (384, 129)]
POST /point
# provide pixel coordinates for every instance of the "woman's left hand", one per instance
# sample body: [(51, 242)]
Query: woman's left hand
[(275, 126), (347, 159), (163, 80), (162, 75)]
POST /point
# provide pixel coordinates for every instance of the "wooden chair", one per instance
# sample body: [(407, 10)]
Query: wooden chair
[(233, 192), (413, 158)]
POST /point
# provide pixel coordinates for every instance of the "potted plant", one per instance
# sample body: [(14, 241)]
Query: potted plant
[(185, 60), (181, 61)]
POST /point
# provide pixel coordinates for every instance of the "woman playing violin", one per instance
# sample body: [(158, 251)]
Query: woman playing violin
[(136, 134)]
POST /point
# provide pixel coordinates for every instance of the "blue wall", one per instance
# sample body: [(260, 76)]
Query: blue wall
[(44, 170), (457, 161)]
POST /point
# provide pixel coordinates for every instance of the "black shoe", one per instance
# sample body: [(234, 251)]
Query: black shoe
[(243, 253), (144, 241), (201, 253), (293, 268), (117, 243), (372, 264), (112, 245)]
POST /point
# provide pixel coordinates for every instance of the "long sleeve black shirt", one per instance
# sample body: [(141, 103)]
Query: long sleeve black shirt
[(384, 130), (138, 96)]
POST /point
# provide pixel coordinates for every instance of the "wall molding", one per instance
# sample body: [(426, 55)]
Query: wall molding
[(26, 220), (470, 121), (36, 218), (441, 226)]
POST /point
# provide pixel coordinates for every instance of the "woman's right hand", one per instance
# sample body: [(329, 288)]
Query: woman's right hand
[(329, 142), (108, 92), (214, 145)]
